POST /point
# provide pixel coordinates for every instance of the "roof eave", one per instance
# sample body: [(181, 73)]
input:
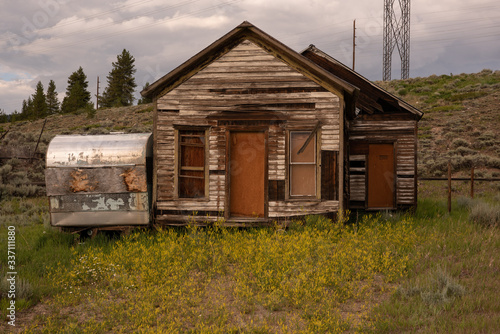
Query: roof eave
[(402, 104)]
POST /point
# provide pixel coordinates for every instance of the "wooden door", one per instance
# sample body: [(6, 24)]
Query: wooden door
[(247, 174), (381, 176)]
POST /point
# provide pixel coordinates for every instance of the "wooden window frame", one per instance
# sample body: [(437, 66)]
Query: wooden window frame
[(317, 130), (177, 168)]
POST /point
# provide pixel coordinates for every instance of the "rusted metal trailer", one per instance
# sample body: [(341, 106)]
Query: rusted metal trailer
[(100, 181)]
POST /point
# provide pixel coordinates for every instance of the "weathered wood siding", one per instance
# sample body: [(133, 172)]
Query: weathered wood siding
[(401, 132), (254, 85)]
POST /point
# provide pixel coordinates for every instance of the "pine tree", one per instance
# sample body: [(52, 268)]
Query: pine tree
[(77, 95), (121, 82), (4, 118), (39, 103), (24, 110), (51, 99), (145, 100), (27, 111)]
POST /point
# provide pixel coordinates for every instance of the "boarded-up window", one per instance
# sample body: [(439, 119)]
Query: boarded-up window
[(191, 164), (302, 163)]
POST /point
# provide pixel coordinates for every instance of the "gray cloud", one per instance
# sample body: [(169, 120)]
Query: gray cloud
[(49, 39)]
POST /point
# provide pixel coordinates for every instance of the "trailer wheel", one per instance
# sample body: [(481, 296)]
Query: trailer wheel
[(88, 233), (92, 232)]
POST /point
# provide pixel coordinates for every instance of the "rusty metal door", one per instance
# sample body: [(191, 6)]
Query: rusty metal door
[(247, 174), (381, 176)]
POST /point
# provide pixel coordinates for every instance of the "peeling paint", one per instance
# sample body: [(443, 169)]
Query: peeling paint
[(81, 182), (138, 202), (104, 204), (135, 180), (54, 203), (114, 204), (101, 205)]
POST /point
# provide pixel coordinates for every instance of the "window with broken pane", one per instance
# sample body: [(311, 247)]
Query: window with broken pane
[(302, 162)]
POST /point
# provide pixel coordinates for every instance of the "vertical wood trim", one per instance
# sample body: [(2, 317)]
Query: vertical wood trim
[(367, 172), (207, 164), (395, 181), (415, 164), (342, 152), (266, 173), (176, 164), (155, 156), (318, 163), (336, 175), (287, 164), (227, 184)]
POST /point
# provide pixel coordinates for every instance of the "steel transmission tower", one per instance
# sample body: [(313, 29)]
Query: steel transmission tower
[(396, 33)]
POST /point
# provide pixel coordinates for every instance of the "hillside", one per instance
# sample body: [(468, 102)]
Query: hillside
[(461, 121), (461, 124)]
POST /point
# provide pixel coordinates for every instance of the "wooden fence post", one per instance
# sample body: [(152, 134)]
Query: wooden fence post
[(449, 186), (472, 182)]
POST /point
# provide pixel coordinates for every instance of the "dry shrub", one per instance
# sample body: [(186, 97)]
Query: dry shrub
[(438, 288), (485, 214), (459, 142)]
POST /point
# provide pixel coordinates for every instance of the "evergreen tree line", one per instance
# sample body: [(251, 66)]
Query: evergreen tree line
[(119, 92)]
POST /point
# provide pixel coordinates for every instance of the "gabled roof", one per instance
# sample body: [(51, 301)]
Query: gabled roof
[(247, 31), (372, 98)]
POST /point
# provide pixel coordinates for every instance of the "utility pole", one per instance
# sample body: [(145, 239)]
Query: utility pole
[(396, 33), (97, 96), (354, 45)]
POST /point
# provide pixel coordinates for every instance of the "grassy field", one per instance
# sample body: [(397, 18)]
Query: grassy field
[(430, 272), (427, 272)]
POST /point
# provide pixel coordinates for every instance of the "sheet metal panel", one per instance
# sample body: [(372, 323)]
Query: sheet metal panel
[(99, 150), (100, 202), (99, 219)]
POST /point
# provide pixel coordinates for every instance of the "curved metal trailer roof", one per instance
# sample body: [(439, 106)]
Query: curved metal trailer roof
[(99, 150)]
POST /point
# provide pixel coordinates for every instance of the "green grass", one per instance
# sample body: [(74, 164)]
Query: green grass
[(38, 248), (453, 107), (459, 259), (432, 272), (438, 91)]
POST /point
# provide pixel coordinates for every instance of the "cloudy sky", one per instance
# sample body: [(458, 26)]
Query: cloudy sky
[(42, 40)]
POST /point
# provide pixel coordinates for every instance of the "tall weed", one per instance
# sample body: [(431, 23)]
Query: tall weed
[(485, 214)]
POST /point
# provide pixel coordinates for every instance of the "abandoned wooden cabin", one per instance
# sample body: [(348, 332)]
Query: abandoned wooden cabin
[(251, 131)]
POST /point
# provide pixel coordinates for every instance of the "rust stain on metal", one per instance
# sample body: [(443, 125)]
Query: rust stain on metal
[(81, 182), (135, 180)]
